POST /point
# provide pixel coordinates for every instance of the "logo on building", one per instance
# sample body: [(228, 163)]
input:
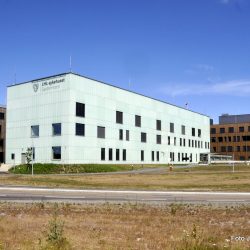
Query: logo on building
[(35, 87)]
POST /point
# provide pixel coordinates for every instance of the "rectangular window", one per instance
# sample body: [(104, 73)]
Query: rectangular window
[(127, 135), (213, 131), (80, 129), (183, 130), (153, 155), (120, 134), (119, 117), (158, 139), (158, 124), (175, 141), (35, 131), (110, 154), (33, 150), (229, 138), (80, 109), (143, 137), (220, 139), (158, 156), (124, 155), (117, 153), (248, 128), (229, 149), (238, 148), (168, 140), (241, 129), (142, 155), (56, 129), (12, 156), (100, 132), (184, 142), (193, 131), (179, 157), (180, 141), (103, 154), (137, 121), (213, 139), (171, 127), (1, 116), (56, 153), (189, 142), (199, 132), (223, 149), (231, 130), (222, 130)]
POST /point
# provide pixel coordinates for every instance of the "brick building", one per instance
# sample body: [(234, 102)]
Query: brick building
[(231, 136)]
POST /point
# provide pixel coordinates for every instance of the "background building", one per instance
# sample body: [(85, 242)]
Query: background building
[(2, 133), (232, 136), (68, 118)]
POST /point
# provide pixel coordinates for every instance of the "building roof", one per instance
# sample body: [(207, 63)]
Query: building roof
[(232, 119), (66, 73)]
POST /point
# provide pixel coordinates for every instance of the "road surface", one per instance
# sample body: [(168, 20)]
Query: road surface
[(34, 194)]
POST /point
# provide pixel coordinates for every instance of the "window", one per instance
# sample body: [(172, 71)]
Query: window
[(137, 121), (158, 139), (189, 142), (142, 155), (238, 138), (35, 131), (175, 141), (117, 153), (238, 148), (246, 138), (214, 149), (1, 116), (184, 142), (229, 149), (229, 138), (119, 117), (199, 132), (110, 154), (56, 129), (143, 137), (222, 130), (158, 156), (80, 129), (120, 134), (171, 127), (56, 153), (183, 130), (127, 135), (241, 129), (80, 109), (193, 131), (33, 150), (231, 130), (180, 141), (100, 132), (168, 140), (223, 149), (158, 124), (213, 139), (179, 156), (12, 156), (124, 155), (220, 139), (213, 131), (248, 128), (103, 154), (153, 155)]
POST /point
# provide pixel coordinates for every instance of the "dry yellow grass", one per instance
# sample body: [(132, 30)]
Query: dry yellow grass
[(126, 226), (174, 181)]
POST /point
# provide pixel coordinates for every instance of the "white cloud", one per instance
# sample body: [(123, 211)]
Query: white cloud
[(232, 88)]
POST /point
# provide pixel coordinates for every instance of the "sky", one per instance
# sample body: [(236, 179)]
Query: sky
[(178, 51)]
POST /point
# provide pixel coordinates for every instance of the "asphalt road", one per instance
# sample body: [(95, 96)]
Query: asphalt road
[(31, 194)]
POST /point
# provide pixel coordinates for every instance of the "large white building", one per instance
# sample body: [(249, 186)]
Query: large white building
[(69, 118)]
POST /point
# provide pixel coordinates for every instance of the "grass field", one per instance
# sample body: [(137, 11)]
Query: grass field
[(168, 181), (26, 226)]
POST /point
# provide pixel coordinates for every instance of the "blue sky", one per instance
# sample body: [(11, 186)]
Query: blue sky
[(179, 51)]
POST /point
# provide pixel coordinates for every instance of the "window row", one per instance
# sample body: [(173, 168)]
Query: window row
[(222, 130), (119, 154), (231, 138), (231, 149)]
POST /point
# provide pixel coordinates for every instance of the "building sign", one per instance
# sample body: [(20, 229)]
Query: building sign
[(47, 85)]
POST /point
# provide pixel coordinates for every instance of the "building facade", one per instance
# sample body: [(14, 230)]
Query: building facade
[(2, 133), (232, 136), (69, 118)]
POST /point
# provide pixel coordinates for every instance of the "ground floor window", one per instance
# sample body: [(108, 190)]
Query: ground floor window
[(103, 154), (56, 153)]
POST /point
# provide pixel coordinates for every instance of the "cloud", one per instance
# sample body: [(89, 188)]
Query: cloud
[(232, 88)]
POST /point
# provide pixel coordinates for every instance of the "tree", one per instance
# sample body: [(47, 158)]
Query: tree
[(28, 156)]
